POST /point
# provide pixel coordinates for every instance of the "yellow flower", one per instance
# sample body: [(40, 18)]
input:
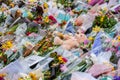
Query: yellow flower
[(32, 0), (33, 76), (100, 12), (20, 79), (45, 10), (30, 15), (46, 19), (12, 5), (45, 5), (96, 29), (7, 45), (89, 1), (105, 8), (3, 9), (61, 59), (91, 38), (102, 18), (118, 38)]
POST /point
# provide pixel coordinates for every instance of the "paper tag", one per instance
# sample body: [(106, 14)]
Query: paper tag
[(33, 59)]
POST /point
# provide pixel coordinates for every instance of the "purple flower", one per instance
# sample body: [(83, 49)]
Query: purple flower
[(86, 42), (63, 68), (93, 2), (117, 9), (116, 77)]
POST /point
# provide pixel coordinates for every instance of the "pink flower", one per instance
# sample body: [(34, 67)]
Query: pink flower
[(86, 42), (63, 68), (33, 34)]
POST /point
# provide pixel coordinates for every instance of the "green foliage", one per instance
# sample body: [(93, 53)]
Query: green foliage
[(104, 22), (32, 29)]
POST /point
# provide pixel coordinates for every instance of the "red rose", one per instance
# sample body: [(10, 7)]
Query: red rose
[(64, 59), (28, 33), (52, 19)]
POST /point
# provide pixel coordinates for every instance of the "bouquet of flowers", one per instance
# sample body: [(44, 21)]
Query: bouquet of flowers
[(66, 3), (105, 22), (54, 66), (2, 17), (43, 47)]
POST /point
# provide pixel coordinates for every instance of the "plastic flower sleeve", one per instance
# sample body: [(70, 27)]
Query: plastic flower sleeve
[(112, 3), (102, 57), (102, 60), (86, 23), (21, 29), (96, 71), (12, 69), (81, 76)]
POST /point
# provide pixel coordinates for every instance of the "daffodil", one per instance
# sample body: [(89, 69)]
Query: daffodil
[(91, 38), (96, 29)]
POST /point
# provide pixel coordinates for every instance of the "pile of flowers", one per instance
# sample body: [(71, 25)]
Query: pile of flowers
[(59, 40)]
